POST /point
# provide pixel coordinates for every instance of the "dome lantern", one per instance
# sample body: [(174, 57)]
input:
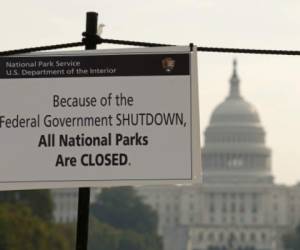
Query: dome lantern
[(234, 82)]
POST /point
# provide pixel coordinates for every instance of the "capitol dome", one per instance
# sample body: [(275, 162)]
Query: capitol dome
[(235, 147), (235, 110)]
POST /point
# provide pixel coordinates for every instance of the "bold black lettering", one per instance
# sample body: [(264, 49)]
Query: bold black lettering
[(55, 101)]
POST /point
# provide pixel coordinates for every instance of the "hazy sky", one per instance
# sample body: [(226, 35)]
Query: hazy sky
[(272, 83)]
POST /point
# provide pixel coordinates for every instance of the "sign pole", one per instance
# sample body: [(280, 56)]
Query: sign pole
[(90, 39)]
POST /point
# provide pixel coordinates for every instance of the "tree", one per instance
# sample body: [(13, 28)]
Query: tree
[(291, 240), (103, 237), (19, 229), (39, 201), (68, 232), (130, 240), (123, 222), (123, 208)]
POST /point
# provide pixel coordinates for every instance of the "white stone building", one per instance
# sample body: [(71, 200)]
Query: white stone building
[(238, 207), (66, 203)]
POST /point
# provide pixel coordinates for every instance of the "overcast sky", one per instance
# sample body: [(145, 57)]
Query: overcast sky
[(271, 83)]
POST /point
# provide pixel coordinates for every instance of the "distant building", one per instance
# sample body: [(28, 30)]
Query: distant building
[(66, 202), (238, 207), (65, 205)]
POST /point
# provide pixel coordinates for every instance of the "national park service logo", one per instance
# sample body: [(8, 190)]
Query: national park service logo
[(168, 64)]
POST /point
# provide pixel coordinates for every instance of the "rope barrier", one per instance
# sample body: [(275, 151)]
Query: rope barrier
[(250, 51), (40, 48), (147, 44)]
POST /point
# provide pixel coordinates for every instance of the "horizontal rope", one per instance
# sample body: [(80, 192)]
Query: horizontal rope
[(147, 44), (250, 51), (40, 48), (133, 43), (208, 49)]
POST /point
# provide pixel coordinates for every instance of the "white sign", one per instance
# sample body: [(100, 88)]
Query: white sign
[(99, 118)]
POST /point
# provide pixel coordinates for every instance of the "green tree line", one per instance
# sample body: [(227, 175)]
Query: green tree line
[(26, 222), (119, 220)]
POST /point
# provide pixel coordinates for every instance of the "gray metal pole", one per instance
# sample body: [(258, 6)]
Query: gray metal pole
[(90, 41)]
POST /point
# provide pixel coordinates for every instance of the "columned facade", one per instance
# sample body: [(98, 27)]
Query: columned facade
[(238, 207)]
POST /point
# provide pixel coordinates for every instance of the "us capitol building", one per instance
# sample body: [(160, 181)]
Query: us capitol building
[(238, 207)]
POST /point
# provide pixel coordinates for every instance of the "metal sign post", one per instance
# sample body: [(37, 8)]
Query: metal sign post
[(90, 40)]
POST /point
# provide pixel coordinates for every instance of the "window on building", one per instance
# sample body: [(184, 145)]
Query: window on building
[(263, 237), (221, 236), (176, 220), (167, 220), (224, 207), (231, 238), (242, 208), (252, 237), (212, 208), (233, 219), (242, 236), (292, 208), (167, 207), (191, 206), (254, 208), (224, 219), (233, 207), (191, 219), (200, 236), (176, 207), (242, 220), (211, 237)]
